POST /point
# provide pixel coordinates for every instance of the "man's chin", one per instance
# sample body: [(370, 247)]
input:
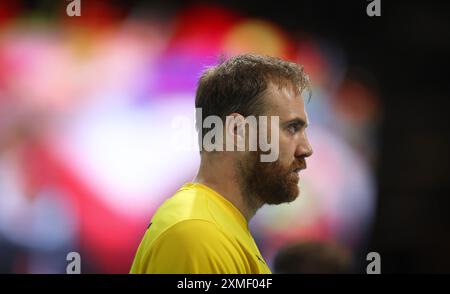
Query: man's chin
[(289, 196), (293, 192), (294, 196)]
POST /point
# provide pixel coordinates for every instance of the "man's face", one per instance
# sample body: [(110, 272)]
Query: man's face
[(277, 182)]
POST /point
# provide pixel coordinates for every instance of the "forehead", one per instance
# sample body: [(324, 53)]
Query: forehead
[(285, 102)]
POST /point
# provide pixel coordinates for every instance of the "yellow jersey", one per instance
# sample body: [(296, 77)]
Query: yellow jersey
[(198, 231)]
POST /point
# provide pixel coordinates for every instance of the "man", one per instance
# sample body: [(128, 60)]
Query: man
[(203, 228)]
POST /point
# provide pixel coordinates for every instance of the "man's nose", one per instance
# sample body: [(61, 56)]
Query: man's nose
[(304, 148)]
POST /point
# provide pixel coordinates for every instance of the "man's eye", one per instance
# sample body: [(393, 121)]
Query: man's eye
[(292, 129)]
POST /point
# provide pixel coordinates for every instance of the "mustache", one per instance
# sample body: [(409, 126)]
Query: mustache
[(299, 164)]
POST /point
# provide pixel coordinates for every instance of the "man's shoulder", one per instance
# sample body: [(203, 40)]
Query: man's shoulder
[(184, 205), (191, 231), (190, 246), (187, 208)]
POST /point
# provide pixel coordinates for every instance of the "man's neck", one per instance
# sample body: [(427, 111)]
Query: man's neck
[(223, 180)]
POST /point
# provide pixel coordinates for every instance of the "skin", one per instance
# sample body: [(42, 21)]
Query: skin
[(246, 182)]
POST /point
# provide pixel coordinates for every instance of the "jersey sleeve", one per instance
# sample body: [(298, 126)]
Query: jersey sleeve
[(194, 246)]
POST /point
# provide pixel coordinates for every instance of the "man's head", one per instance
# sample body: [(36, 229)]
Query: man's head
[(252, 85)]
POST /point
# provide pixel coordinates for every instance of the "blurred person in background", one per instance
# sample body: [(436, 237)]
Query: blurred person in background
[(37, 227), (313, 257), (203, 228)]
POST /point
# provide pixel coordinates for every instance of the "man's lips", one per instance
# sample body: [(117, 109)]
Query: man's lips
[(299, 166), (296, 172), (299, 169)]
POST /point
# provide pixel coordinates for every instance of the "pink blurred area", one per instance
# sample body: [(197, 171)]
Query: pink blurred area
[(86, 132)]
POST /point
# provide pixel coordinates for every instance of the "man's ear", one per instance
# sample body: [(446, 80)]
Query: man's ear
[(235, 132)]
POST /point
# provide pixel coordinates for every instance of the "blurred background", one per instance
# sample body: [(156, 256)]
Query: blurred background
[(97, 127)]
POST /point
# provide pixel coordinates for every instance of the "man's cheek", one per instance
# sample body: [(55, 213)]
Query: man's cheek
[(286, 152)]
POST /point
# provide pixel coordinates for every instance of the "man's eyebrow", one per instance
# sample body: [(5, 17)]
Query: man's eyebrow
[(296, 121)]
